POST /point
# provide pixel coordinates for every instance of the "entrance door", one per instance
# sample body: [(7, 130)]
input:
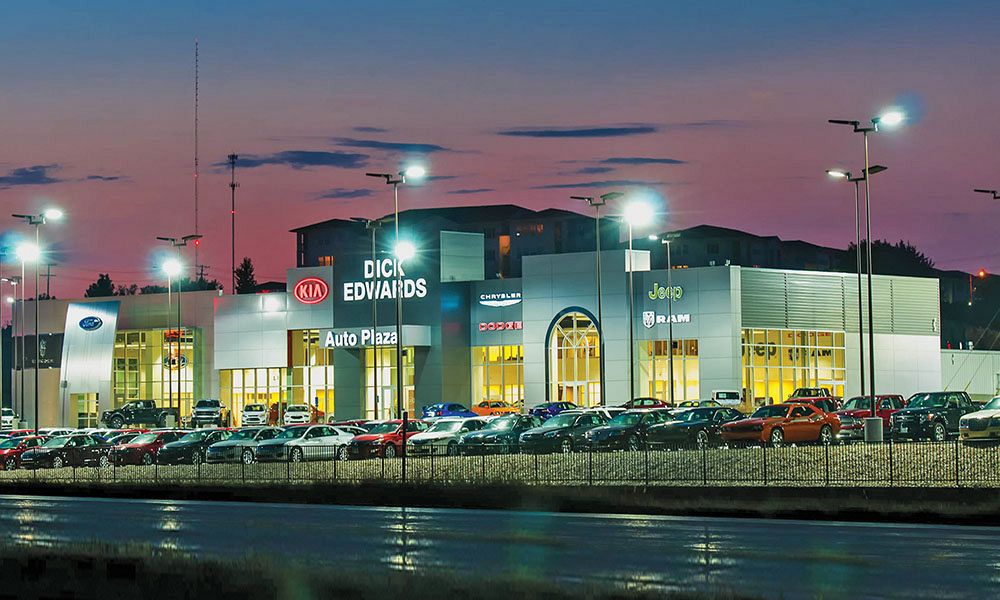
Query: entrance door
[(85, 406), (573, 391)]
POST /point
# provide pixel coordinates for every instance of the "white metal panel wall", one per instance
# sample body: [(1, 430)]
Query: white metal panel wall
[(975, 371)]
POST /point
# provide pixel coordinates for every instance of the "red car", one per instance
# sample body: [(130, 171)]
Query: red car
[(12, 448), (860, 407), (384, 439), (142, 449), (18, 432), (644, 403), (824, 403), (780, 423)]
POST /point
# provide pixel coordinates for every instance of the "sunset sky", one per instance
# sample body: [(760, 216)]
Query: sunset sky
[(720, 107)]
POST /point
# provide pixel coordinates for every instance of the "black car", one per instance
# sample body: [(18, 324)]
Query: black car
[(626, 431), (500, 435), (563, 433), (694, 427), (76, 450), (930, 415), (191, 448)]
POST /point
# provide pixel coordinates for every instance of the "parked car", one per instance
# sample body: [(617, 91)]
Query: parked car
[(644, 403), (122, 438), (385, 439), (627, 431), (980, 426), (55, 431), (727, 397), (564, 432), (442, 437), (241, 446), (695, 427), (299, 414), (500, 435), (143, 448), (139, 412), (550, 409), (811, 392), (11, 450), (851, 428), (829, 404), (446, 409), (254, 414), (210, 411), (78, 450), (191, 447), (7, 416), (697, 403), (489, 408), (777, 424), (349, 423), (860, 408), (607, 412), (930, 415)]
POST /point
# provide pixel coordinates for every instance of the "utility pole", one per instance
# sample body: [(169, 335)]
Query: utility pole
[(48, 278), (232, 214)]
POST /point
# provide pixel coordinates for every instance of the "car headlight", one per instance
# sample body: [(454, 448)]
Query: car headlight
[(551, 434), (995, 422)]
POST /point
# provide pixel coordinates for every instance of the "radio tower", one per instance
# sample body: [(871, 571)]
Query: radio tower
[(197, 242)]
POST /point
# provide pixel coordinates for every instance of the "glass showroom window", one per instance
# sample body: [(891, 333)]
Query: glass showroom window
[(498, 374), (152, 365), (310, 374), (776, 361), (386, 389), (239, 387), (654, 369), (575, 361)]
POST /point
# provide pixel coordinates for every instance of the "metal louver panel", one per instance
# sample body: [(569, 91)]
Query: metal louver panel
[(815, 301), (763, 298)]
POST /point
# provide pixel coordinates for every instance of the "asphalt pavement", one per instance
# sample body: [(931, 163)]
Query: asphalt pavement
[(790, 559)]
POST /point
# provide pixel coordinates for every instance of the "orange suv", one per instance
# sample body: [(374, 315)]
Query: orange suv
[(780, 423)]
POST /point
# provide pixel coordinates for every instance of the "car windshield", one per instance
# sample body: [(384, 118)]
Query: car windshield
[(383, 428), (625, 420), (194, 436), (144, 438), (298, 408), (291, 433), (694, 415), (926, 401), (207, 404), (246, 434), (770, 412), (501, 424), (253, 407), (559, 421), (445, 427), (993, 404), (57, 442), (858, 403), (7, 412), (9, 443)]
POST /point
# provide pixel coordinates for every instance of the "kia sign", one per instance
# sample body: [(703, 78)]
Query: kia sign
[(91, 323), (311, 290)]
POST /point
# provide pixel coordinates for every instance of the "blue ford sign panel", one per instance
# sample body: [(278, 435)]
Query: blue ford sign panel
[(91, 323)]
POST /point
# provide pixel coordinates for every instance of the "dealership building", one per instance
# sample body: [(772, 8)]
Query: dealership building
[(330, 339)]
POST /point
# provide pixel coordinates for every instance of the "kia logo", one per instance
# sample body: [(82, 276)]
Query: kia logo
[(311, 290), (91, 323)]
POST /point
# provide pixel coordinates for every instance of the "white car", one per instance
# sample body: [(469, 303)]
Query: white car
[(443, 436), (297, 414), (254, 414), (55, 431), (306, 442), (7, 416), (982, 425)]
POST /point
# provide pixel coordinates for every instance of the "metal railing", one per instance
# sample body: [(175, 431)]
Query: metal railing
[(902, 464)]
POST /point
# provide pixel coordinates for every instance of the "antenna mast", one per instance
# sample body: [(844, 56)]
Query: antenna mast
[(196, 150)]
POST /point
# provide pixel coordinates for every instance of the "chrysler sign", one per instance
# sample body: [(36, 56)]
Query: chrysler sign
[(500, 299)]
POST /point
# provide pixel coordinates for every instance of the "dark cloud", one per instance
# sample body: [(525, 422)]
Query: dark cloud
[(593, 170), (597, 184), (440, 177), (364, 129), (641, 160), (105, 178), (301, 159), (391, 146), (33, 175), (344, 194), (470, 191), (707, 124), (579, 132)]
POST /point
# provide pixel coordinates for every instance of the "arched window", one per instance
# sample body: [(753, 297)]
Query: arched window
[(574, 360)]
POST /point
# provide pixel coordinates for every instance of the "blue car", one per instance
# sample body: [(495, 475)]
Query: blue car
[(447, 409), (550, 409)]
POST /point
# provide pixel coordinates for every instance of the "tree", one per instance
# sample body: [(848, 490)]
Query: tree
[(901, 258), (246, 282), (153, 289), (101, 288), (127, 290)]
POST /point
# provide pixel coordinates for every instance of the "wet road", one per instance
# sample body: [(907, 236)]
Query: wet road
[(794, 559)]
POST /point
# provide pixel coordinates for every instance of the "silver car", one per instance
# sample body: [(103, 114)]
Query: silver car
[(305, 442), (241, 446), (443, 436)]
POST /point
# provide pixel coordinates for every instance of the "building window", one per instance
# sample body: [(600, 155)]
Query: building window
[(157, 364), (498, 374), (310, 371), (380, 382), (776, 361), (654, 369), (575, 361), (325, 261), (240, 387)]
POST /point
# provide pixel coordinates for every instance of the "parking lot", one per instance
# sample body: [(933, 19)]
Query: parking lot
[(914, 464)]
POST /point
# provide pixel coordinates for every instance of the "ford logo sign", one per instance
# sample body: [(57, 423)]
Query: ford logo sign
[(91, 323)]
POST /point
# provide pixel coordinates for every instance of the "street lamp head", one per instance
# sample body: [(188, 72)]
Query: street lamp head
[(653, 237), (838, 174), (876, 169), (405, 251), (10, 300), (28, 252), (638, 213), (52, 214), (172, 267), (416, 172), (982, 273), (890, 118)]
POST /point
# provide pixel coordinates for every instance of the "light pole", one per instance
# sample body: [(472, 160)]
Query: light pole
[(670, 316), (414, 172), (888, 119), (637, 212), (846, 175), (232, 214), (176, 243), (597, 203), (14, 280), (373, 225)]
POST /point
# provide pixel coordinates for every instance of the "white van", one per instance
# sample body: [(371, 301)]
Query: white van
[(727, 397)]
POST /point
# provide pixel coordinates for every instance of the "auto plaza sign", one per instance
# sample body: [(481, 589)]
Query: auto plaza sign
[(381, 283), (358, 339)]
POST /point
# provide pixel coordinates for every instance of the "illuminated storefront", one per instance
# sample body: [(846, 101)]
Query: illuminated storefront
[(498, 374), (157, 364), (776, 361)]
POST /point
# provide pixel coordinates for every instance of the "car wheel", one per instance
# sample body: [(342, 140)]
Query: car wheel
[(10, 465), (826, 435), (342, 453), (161, 421), (296, 455), (104, 462), (452, 449), (701, 438), (196, 458), (777, 437), (633, 443), (247, 457), (389, 451), (147, 459), (117, 422), (566, 446), (939, 433), (57, 462)]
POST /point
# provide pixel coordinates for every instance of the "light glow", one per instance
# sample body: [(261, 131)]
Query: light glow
[(172, 267), (414, 172), (638, 213), (405, 251), (891, 118), (28, 252), (836, 173), (52, 214)]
